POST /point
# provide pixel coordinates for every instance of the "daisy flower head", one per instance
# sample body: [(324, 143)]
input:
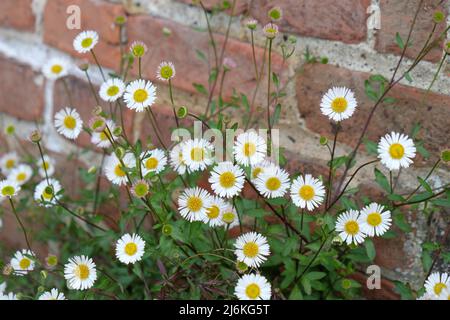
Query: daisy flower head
[(270, 30), (53, 294), (8, 162), (153, 161), (426, 296), (166, 71), (197, 154), (8, 296), (445, 294), (252, 249), (229, 64), (80, 273), (251, 23), (22, 262), (436, 283), (130, 248), (227, 179), (46, 166), (375, 221), (176, 159), (46, 193), (257, 169), (68, 123), (348, 225), (396, 151), (103, 138), (112, 89), (9, 188), (253, 287), (275, 14), (229, 217), (139, 95), (138, 49), (21, 174), (193, 204), (114, 169), (55, 68), (249, 148), (273, 182), (213, 212), (307, 192), (85, 41), (2, 287), (140, 189), (338, 103)]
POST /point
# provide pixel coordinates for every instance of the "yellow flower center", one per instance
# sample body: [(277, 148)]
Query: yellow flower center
[(374, 219), (70, 122), (253, 291), (213, 212), (10, 163), (103, 136), (339, 105), (228, 217), (166, 72), (8, 191), (56, 68), (140, 95), (194, 204), (438, 287), (396, 150), (197, 154), (45, 165), (21, 176), (118, 171), (141, 189), (24, 263), (273, 183), (47, 194), (256, 172), (131, 249), (306, 193), (87, 42), (250, 249), (352, 227), (249, 149), (112, 91), (151, 163), (82, 271), (227, 179)]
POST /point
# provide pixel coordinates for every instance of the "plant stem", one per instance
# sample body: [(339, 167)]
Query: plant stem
[(269, 80), (330, 174), (92, 87), (254, 55), (20, 223), (98, 65), (173, 103)]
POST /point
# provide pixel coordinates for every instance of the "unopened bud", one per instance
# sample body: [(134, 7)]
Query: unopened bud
[(35, 136)]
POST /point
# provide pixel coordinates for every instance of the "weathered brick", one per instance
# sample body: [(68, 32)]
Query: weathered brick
[(241, 5), (343, 20), (17, 14), (410, 107), (21, 90), (397, 16), (84, 101)]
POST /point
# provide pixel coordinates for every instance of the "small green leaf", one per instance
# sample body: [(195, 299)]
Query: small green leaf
[(370, 249), (399, 41), (382, 181)]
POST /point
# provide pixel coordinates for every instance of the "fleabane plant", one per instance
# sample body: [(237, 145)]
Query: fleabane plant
[(208, 218)]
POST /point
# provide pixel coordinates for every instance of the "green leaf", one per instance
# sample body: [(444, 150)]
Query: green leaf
[(200, 88), (296, 294), (403, 290), (315, 275), (275, 79), (276, 114), (306, 285), (400, 221), (370, 249), (425, 185), (427, 260), (399, 41), (245, 102), (382, 181), (408, 77), (371, 147)]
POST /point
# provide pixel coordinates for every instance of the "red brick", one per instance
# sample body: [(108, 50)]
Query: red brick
[(180, 48), (401, 116), (84, 101), (17, 14), (343, 20), (95, 15), (241, 5), (397, 16), (21, 96)]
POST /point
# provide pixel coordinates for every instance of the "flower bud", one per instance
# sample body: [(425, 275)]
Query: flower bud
[(10, 130), (182, 112), (167, 229), (35, 136)]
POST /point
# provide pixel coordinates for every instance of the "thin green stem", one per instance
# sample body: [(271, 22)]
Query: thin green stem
[(20, 223), (98, 65)]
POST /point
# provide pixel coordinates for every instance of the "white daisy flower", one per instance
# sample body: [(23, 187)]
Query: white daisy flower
[(348, 225), (2, 287), (47, 165), (227, 179), (80, 273), (21, 175), (68, 123), (338, 103), (112, 89), (85, 41), (8, 296), (213, 213), (427, 296), (176, 159), (197, 154), (436, 283), (22, 262), (193, 204), (8, 162), (229, 217), (253, 287), (166, 71), (153, 161), (273, 182), (249, 149), (47, 193), (139, 95), (259, 168), (114, 170), (55, 68), (307, 192), (53, 294), (445, 294), (102, 139), (130, 248), (396, 150), (8, 188), (252, 249), (375, 221)]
